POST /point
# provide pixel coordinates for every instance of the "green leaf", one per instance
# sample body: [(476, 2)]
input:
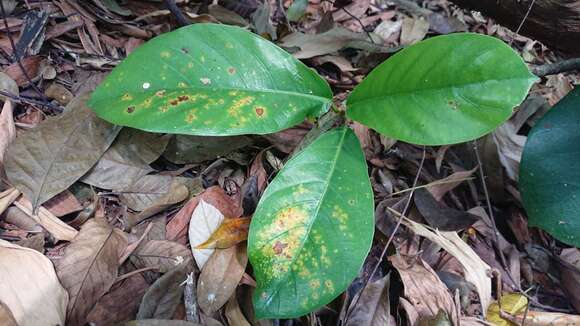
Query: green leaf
[(444, 90), (207, 79), (48, 159), (313, 227), (550, 171)]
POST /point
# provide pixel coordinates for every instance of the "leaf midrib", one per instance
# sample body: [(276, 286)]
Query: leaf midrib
[(430, 89), (214, 89)]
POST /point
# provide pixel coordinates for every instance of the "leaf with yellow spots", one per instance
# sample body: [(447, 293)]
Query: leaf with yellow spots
[(313, 227), (211, 80)]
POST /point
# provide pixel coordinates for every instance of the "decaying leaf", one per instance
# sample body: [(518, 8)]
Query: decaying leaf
[(234, 314), (161, 254), (511, 303), (231, 232), (89, 267), (6, 317), (120, 303), (177, 193), (423, 288), (63, 204), (205, 220), (476, 270), (127, 159), (29, 287), (161, 299), (440, 187), (7, 197), (372, 305), (151, 189), (439, 217), (220, 277), (71, 142), (184, 149)]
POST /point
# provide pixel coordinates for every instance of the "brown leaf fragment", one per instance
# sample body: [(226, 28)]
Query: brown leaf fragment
[(220, 277), (31, 66), (7, 197), (423, 288), (163, 297), (63, 204), (73, 142), (163, 255), (89, 267), (29, 287), (6, 317), (372, 305), (120, 303), (7, 128), (439, 217), (231, 232)]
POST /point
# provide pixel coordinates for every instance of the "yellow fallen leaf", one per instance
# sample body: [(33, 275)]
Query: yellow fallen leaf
[(511, 303)]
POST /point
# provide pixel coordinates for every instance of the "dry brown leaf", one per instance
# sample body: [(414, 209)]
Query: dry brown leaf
[(571, 275), (423, 288), (220, 277), (205, 220), (161, 254), (510, 146), (31, 66), (231, 232), (89, 267), (164, 296), (440, 187), (121, 303), (59, 229), (476, 270), (176, 194), (30, 288), (373, 308), (234, 314), (177, 228)]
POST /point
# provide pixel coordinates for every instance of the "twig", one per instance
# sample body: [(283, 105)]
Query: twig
[(190, 300), (179, 17), (525, 16), (392, 236), (491, 217), (28, 100), (556, 68)]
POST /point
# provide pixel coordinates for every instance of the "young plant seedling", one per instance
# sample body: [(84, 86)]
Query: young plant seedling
[(314, 224)]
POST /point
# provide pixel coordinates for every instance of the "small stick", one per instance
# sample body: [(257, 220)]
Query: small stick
[(179, 17), (556, 68), (191, 313)]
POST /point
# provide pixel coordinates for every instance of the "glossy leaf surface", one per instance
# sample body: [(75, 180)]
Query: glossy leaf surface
[(207, 79), (444, 90), (550, 171), (313, 227)]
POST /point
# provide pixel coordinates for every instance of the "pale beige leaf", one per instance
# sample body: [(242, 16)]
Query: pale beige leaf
[(423, 288), (7, 128), (205, 219), (413, 30), (59, 229), (476, 270), (220, 277), (30, 288), (89, 267)]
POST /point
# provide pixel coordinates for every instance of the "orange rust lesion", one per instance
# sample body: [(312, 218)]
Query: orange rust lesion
[(191, 116), (160, 93), (131, 109), (173, 102), (231, 70)]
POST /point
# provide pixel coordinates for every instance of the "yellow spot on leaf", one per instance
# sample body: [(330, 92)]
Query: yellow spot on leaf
[(314, 284), (329, 286), (127, 97), (191, 116), (165, 54), (234, 110), (181, 85), (231, 70)]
